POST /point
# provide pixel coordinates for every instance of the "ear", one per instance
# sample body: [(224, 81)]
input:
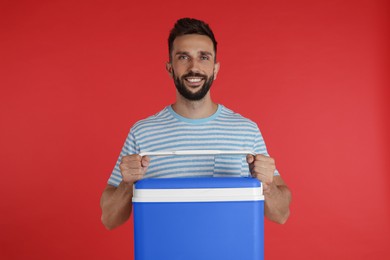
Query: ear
[(216, 70), (168, 67)]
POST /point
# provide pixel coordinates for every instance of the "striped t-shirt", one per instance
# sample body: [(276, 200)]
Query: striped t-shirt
[(168, 131)]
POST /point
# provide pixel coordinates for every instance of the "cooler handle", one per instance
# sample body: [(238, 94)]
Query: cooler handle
[(198, 152)]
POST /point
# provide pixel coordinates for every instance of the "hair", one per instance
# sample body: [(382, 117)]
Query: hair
[(185, 26)]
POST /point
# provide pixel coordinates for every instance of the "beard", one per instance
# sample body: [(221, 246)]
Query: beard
[(186, 93)]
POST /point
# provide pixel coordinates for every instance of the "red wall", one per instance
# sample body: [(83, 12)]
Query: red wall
[(75, 75)]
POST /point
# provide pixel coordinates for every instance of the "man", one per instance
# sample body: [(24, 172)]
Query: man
[(193, 122)]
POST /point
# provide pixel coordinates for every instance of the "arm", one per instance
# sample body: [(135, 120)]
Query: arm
[(277, 201), (277, 194), (116, 205), (116, 201)]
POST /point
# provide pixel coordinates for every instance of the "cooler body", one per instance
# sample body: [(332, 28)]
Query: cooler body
[(198, 219)]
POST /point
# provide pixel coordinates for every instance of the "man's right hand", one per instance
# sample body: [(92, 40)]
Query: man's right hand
[(133, 167)]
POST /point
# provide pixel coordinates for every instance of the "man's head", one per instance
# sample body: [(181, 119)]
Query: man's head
[(185, 26), (192, 58)]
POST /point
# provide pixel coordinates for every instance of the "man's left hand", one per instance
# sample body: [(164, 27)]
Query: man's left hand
[(262, 167)]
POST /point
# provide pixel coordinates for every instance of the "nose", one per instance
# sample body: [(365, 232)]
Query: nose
[(193, 66)]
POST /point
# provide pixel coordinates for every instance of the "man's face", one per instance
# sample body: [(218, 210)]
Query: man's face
[(193, 66)]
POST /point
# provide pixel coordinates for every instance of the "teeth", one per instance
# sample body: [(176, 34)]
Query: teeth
[(194, 80)]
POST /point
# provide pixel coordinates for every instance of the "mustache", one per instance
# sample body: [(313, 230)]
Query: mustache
[(194, 74)]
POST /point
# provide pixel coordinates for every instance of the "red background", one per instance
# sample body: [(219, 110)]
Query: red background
[(75, 75)]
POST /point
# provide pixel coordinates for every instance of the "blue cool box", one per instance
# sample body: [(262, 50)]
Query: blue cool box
[(198, 219)]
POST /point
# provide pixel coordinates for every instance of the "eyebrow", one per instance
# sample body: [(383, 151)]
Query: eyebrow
[(187, 53), (181, 52), (206, 53)]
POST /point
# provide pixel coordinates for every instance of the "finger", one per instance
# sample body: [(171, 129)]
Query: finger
[(260, 177), (263, 167), (145, 161), (261, 157), (263, 178), (132, 171), (131, 158), (264, 171), (265, 158), (250, 158), (130, 165)]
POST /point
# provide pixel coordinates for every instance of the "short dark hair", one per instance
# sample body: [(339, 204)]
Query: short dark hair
[(185, 26)]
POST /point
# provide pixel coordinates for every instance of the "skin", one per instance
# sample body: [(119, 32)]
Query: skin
[(192, 53)]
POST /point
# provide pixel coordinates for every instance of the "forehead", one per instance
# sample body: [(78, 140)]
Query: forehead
[(193, 43)]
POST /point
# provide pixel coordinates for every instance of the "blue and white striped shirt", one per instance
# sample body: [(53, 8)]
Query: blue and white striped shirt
[(168, 131)]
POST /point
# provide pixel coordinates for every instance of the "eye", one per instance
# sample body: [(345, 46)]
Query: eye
[(204, 57), (183, 57)]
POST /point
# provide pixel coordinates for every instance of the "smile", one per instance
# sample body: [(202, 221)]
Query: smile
[(193, 79)]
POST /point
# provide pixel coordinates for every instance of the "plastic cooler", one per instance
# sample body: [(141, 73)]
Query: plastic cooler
[(198, 219)]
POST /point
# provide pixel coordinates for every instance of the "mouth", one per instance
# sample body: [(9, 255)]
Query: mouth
[(194, 81)]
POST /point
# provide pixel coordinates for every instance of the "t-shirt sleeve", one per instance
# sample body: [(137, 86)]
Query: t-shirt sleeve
[(129, 147), (260, 147)]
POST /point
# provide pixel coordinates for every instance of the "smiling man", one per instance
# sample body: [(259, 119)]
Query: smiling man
[(193, 122), (192, 66)]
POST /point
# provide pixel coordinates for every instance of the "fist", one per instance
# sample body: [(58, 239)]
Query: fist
[(133, 167), (262, 167)]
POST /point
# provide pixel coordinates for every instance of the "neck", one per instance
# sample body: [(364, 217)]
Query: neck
[(195, 109)]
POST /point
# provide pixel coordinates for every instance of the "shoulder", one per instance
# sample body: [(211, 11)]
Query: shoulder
[(157, 119), (229, 115)]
